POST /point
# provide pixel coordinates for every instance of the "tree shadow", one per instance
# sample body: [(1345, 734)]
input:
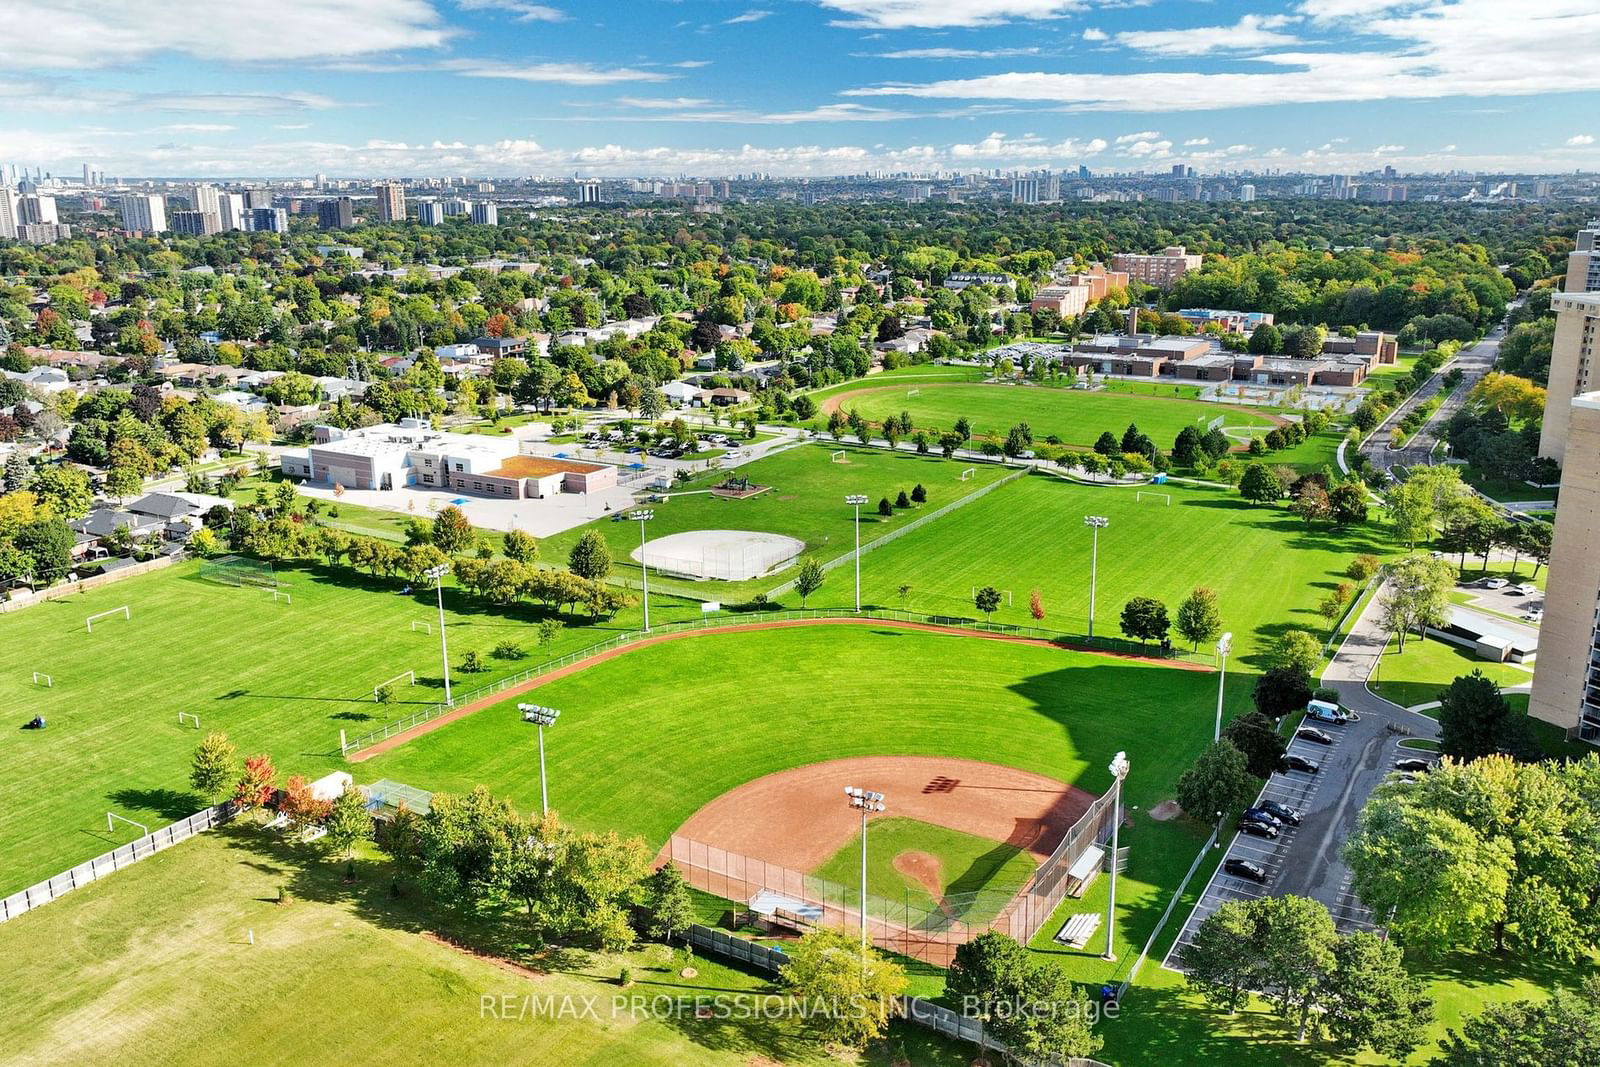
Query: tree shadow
[(170, 804)]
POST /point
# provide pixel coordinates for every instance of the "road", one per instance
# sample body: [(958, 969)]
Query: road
[(1304, 860), (1473, 363)]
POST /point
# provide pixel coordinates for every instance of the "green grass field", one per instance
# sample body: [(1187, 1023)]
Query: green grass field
[(1416, 675), (1076, 417), (1268, 568), (154, 966), (806, 502), (277, 677), (976, 878)]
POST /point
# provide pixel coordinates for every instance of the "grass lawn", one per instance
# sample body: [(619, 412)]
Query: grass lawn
[(915, 374), (505, 425), (1268, 568), (1077, 417), (154, 966), (1318, 451), (277, 677), (1504, 491), (806, 502), (976, 876), (1416, 675), (1388, 377)]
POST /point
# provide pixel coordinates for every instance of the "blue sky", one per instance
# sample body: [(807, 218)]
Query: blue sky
[(662, 87)]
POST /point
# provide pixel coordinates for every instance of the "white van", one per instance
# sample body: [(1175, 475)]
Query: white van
[(1322, 711)]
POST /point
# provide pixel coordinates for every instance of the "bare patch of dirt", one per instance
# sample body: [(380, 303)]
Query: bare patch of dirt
[(1166, 811)]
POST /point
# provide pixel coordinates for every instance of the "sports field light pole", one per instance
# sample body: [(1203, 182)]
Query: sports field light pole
[(1224, 646), (855, 500), (541, 717), (868, 803), (1119, 771), (1095, 523), (437, 574), (642, 516)]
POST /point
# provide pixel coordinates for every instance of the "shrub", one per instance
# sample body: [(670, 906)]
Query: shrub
[(919, 495), (884, 507), (472, 662), (1362, 567), (383, 694), (902, 501), (508, 650)]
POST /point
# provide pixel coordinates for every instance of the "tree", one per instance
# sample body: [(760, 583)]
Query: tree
[(1297, 651), (1347, 504), (1419, 595), (1256, 736), (347, 825), (1107, 445), (1475, 720), (1186, 450), (808, 579), (1219, 780), (987, 600), (1259, 486), (668, 901), (1295, 941), (1220, 961), (1145, 618), (16, 472), (590, 557), (215, 766), (452, 531), (949, 442), (64, 490), (1265, 340), (462, 844), (986, 972), (1561, 1031), (123, 479), (828, 966), (256, 784), (963, 428), (1049, 1020), (549, 630), (919, 495), (520, 546), (1370, 1001), (1036, 606), (902, 500), (885, 509), (1199, 618), (1282, 689), (1313, 503)]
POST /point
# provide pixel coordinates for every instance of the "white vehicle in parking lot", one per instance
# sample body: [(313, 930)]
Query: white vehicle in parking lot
[(1495, 583), (1536, 615), (1525, 589)]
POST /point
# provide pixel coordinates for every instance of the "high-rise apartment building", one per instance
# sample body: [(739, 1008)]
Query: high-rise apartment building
[(1583, 265), (254, 198), (230, 210), (337, 214), (430, 212), (8, 214), (1571, 367), (44, 233), (205, 198), (588, 192), (391, 201), (37, 208), (143, 212), (267, 220), (196, 223), (456, 206), (1566, 679), (1024, 190), (486, 213), (1247, 193)]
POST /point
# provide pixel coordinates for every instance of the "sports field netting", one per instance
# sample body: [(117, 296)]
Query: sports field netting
[(237, 570)]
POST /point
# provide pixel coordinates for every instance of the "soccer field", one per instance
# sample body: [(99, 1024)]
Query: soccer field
[(1077, 417), (278, 677), (1268, 568), (806, 502)]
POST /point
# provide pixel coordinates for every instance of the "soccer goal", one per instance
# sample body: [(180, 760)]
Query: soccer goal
[(43, 679), (967, 475), (425, 627), (838, 457), (1165, 498), (110, 827), (913, 392), (237, 570), (89, 621), (409, 676), (189, 717), (279, 594)]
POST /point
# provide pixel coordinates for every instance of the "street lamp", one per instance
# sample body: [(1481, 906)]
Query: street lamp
[(642, 516), (855, 500), (868, 803), (1119, 771), (541, 717), (1224, 646), (1095, 523), (437, 574)]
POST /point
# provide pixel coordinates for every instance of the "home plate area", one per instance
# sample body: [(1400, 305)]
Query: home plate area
[(957, 851)]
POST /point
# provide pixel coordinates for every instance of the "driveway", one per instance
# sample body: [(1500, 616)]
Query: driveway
[(1474, 363)]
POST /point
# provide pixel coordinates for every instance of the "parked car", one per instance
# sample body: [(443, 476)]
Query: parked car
[(1525, 589), (1258, 829), (1322, 711), (1292, 762), (1536, 615), (1245, 869), (1262, 815), (1282, 812), (1311, 733), (1412, 763), (1495, 583)]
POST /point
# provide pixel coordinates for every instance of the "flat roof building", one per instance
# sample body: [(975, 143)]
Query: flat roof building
[(1160, 269), (1572, 361)]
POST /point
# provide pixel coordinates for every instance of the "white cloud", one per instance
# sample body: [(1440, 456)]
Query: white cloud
[(930, 14), (691, 64), (957, 53), (1147, 149), (1388, 149), (1446, 48), (552, 73), (1578, 140), (291, 125), (662, 102), (1092, 34), (197, 127), (522, 12), (1250, 33), (1142, 135), (1448, 148), (1193, 141), (753, 15), (94, 33)]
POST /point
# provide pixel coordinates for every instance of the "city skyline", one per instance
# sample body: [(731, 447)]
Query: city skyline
[(800, 87)]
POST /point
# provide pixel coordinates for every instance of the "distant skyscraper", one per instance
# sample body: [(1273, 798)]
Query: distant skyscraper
[(1247, 192), (144, 212), (230, 210), (430, 212), (196, 223), (391, 201), (588, 192), (486, 213), (88, 176), (336, 214), (37, 209), (8, 214), (267, 220), (206, 199), (254, 198), (1024, 190), (455, 206)]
